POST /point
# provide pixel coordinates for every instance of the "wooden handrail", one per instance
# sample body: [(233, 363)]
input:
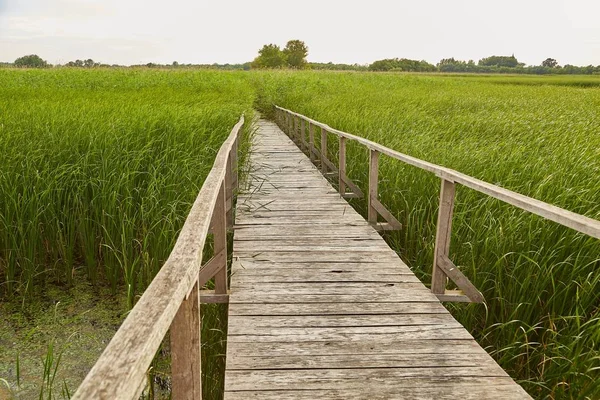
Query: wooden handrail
[(443, 268), (171, 301), (559, 215)]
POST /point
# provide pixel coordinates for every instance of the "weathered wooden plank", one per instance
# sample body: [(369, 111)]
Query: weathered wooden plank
[(365, 346), (357, 378), (320, 304), (247, 324), (219, 224), (267, 298), (341, 268), (354, 308), (369, 360), (489, 389), (210, 297), (277, 246), (319, 256), (350, 335), (185, 349), (331, 288), (268, 276), (442, 236), (298, 215), (338, 231), (299, 220), (373, 185), (323, 150), (342, 165), (460, 279)]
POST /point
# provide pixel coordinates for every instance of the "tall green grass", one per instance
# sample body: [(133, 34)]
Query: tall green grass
[(98, 170), (538, 137)]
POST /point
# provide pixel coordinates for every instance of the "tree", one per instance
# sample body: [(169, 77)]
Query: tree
[(401, 64), (550, 63), (270, 56), (500, 61), (89, 63), (295, 53), (31, 61)]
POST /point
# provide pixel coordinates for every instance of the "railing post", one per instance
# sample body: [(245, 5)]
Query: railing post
[(185, 349), (342, 165), (297, 130), (229, 192), (302, 133), (323, 150), (234, 164), (311, 141), (220, 240), (373, 184), (442, 236)]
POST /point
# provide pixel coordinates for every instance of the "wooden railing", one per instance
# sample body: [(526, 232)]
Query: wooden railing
[(443, 267), (172, 301)]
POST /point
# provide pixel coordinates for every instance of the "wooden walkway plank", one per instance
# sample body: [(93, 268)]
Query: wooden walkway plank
[(321, 307)]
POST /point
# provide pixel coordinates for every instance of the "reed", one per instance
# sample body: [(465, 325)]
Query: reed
[(536, 136)]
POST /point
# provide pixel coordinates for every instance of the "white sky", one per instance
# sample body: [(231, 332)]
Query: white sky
[(198, 31)]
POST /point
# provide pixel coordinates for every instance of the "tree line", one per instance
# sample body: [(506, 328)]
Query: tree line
[(294, 55)]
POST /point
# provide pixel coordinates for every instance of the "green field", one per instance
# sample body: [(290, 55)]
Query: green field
[(99, 168), (537, 136)]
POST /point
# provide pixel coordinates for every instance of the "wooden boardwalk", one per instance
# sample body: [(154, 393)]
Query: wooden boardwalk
[(321, 307)]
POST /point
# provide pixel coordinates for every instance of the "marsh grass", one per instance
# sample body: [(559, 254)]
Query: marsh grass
[(536, 136), (98, 170)]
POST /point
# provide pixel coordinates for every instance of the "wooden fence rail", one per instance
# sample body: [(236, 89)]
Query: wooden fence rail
[(172, 301), (443, 267)]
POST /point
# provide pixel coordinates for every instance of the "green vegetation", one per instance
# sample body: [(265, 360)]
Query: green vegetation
[(98, 170), (31, 61), (401, 64), (500, 61), (292, 56), (536, 136)]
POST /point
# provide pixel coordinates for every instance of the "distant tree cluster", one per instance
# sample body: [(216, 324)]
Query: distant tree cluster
[(177, 65), (337, 67), (295, 52), (292, 56), (510, 65), (452, 65), (550, 63), (31, 61), (402, 64), (89, 63), (500, 61)]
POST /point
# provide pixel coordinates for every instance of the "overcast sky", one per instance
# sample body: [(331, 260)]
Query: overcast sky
[(198, 31)]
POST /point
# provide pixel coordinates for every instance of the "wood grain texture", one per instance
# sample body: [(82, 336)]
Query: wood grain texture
[(185, 349), (321, 307), (373, 185), (443, 235), (342, 165)]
